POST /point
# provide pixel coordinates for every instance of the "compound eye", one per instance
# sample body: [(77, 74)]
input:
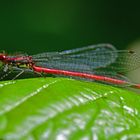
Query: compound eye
[(2, 57)]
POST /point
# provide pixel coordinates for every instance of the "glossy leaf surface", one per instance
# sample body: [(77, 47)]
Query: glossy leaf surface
[(61, 109)]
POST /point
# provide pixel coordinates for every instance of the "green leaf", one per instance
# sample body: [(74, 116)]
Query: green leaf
[(59, 108)]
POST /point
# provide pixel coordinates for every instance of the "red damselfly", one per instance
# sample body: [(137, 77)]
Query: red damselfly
[(101, 62)]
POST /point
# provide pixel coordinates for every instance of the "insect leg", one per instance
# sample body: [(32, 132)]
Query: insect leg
[(20, 73)]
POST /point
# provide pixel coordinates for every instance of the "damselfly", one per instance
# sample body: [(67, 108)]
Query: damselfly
[(101, 62)]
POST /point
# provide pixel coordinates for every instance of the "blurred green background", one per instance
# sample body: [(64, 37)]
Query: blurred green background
[(37, 26)]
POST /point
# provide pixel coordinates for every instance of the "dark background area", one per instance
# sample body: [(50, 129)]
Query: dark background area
[(37, 26)]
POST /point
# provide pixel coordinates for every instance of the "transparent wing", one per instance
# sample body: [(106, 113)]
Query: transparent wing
[(125, 62), (84, 59), (103, 57)]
